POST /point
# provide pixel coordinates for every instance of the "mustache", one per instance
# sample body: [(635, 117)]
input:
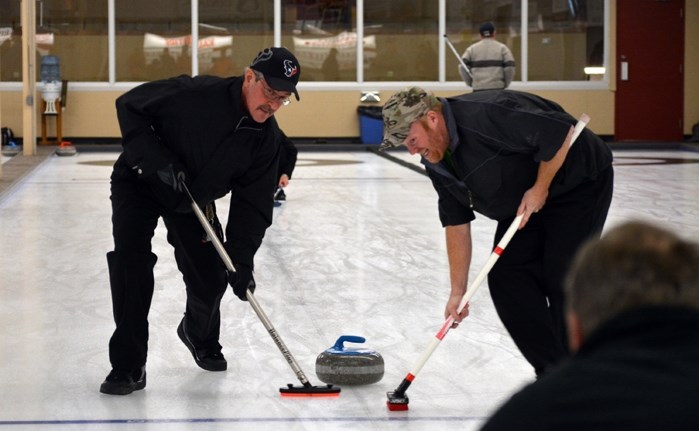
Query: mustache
[(267, 109)]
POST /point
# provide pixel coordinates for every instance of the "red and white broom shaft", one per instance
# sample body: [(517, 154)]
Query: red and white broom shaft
[(467, 296)]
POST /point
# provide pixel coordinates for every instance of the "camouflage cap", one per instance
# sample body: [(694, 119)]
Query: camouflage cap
[(401, 110)]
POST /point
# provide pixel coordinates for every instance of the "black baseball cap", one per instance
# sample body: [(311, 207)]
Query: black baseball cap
[(280, 68), (487, 29)]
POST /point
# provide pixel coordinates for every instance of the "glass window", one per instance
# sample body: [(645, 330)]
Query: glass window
[(153, 39), (404, 36), (564, 38), (322, 34), (464, 18), (10, 41), (75, 31), (231, 33), (70, 30), (401, 37)]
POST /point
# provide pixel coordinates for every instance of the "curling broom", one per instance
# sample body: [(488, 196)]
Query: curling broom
[(307, 389)]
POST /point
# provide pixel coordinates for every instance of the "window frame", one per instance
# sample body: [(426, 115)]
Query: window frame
[(360, 84)]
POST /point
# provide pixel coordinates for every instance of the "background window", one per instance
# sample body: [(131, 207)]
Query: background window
[(464, 18), (323, 36), (10, 41), (71, 30), (153, 39), (564, 37), (231, 33), (401, 38), (405, 35)]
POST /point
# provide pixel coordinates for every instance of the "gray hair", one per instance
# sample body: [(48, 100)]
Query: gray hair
[(634, 265), (258, 75)]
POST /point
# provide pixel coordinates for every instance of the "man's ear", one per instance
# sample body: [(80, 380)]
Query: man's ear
[(432, 118), (575, 332), (248, 80)]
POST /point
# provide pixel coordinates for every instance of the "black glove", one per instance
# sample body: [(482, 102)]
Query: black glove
[(241, 281), (166, 186), (173, 175), (210, 213)]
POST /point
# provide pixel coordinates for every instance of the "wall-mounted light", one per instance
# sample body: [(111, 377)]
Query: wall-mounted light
[(594, 70)]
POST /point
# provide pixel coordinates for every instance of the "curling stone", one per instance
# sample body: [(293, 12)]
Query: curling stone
[(340, 365), (11, 149), (66, 149)]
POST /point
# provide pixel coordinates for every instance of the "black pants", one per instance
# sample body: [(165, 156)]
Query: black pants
[(135, 214), (526, 283)]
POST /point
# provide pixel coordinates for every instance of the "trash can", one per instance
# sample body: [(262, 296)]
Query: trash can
[(370, 124)]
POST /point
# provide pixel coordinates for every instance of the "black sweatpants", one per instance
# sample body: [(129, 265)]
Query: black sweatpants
[(526, 283), (135, 214)]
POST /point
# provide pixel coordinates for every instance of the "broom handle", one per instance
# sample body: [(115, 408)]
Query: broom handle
[(250, 297), (456, 53), (469, 293)]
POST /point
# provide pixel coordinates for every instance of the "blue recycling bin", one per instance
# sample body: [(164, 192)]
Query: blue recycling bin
[(370, 124)]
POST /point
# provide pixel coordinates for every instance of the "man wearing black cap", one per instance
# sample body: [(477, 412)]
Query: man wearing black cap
[(490, 63), (217, 135)]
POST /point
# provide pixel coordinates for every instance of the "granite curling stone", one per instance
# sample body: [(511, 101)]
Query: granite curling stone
[(340, 365), (66, 149), (11, 149)]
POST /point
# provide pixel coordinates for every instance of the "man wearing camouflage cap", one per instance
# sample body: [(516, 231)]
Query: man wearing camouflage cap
[(502, 154)]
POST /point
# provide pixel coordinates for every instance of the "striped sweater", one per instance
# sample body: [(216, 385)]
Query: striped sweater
[(491, 64)]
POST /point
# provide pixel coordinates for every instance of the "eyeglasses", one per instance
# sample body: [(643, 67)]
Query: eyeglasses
[(272, 95)]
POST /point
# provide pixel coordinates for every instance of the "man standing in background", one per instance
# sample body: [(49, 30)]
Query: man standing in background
[(490, 62)]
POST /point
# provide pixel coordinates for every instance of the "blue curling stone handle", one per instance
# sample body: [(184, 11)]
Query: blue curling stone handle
[(339, 347)]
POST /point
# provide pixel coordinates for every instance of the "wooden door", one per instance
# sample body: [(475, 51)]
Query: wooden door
[(650, 78)]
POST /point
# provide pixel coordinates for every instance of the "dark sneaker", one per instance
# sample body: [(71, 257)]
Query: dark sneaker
[(124, 382), (280, 195), (210, 360)]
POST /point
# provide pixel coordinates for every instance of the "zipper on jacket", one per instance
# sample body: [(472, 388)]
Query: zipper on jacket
[(240, 125)]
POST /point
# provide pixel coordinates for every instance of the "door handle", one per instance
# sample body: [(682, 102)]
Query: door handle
[(624, 71)]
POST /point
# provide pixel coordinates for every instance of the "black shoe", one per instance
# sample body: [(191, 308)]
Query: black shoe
[(205, 358), (124, 382), (280, 195)]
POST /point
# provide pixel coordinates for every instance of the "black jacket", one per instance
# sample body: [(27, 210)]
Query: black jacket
[(288, 154), (201, 123), (498, 138), (639, 371)]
